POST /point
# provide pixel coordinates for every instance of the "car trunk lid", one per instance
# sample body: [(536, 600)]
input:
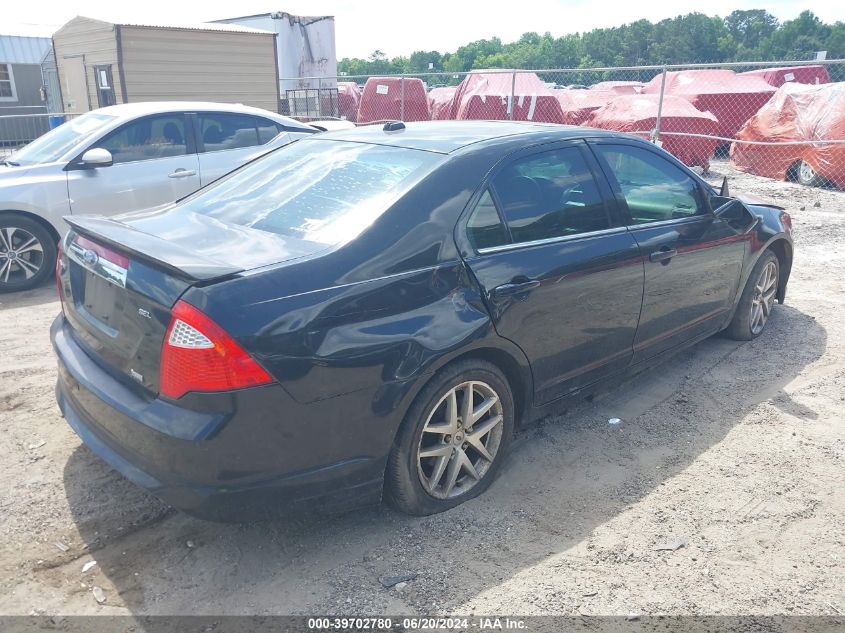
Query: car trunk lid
[(119, 283)]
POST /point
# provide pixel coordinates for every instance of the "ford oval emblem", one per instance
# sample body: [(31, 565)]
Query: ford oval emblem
[(90, 257)]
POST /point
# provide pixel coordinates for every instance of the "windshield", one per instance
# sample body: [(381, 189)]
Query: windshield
[(56, 143), (320, 191)]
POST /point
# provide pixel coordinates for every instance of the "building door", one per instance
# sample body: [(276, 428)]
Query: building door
[(75, 85)]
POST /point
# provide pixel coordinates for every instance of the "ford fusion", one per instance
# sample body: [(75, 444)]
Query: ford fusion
[(369, 313)]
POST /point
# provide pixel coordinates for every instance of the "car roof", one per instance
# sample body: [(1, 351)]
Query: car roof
[(450, 136), (131, 110)]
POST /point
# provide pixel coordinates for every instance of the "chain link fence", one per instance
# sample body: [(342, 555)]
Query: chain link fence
[(783, 120)]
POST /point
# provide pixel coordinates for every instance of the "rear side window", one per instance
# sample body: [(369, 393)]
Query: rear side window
[(159, 136), (654, 189), (484, 227), (550, 195), (221, 131)]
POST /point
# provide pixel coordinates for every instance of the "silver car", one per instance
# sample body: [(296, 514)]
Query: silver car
[(118, 159)]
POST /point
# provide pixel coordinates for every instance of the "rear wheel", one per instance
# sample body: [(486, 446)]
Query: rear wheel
[(757, 301), (27, 252), (453, 439)]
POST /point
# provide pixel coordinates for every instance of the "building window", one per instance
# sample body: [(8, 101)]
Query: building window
[(7, 83), (105, 87)]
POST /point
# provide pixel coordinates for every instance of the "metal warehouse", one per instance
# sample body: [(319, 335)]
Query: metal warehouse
[(21, 88), (103, 63), (307, 60)]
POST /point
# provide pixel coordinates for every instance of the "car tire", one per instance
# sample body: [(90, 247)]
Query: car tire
[(27, 253), (807, 176), (421, 484), (757, 301)]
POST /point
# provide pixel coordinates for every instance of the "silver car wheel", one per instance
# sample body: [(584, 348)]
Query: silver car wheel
[(21, 254), (460, 439), (764, 297), (806, 173)]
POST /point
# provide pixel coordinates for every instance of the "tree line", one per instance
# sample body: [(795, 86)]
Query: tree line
[(747, 35)]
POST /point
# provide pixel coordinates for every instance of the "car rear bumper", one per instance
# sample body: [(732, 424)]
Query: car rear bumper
[(239, 456)]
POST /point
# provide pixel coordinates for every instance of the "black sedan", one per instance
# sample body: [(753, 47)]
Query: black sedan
[(371, 312)]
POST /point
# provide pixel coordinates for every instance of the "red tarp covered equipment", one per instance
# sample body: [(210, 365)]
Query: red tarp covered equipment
[(485, 95), (440, 102), (797, 112), (382, 100), (622, 87), (638, 113), (812, 74), (578, 105), (348, 98), (731, 98)]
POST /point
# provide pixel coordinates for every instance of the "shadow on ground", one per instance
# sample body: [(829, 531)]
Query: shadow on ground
[(567, 475), (45, 293)]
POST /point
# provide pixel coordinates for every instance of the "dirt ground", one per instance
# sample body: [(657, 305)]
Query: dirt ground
[(735, 449)]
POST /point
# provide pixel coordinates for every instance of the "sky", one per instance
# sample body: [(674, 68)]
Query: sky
[(399, 28)]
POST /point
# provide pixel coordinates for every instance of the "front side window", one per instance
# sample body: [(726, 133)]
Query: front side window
[(7, 83), (160, 136), (319, 191), (654, 189), (222, 131), (550, 195)]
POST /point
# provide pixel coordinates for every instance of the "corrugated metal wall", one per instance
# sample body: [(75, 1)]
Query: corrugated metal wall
[(194, 65), (306, 47)]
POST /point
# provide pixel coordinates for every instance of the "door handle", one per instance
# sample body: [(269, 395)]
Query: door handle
[(515, 288), (663, 256), (182, 173)]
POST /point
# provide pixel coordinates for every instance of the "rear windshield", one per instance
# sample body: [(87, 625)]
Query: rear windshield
[(320, 191)]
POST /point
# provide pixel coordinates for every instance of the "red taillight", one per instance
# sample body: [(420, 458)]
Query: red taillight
[(198, 355)]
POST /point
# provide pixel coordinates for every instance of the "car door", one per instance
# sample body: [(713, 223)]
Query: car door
[(227, 140), (692, 258), (155, 162), (561, 276)]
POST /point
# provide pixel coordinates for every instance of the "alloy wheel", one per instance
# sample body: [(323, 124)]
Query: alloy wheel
[(764, 297), (806, 173), (460, 439), (21, 254)]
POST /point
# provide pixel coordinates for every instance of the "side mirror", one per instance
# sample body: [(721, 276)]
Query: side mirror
[(97, 157), (725, 192), (735, 213)]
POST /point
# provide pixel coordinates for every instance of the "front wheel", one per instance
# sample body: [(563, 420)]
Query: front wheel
[(757, 300), (453, 439), (27, 252)]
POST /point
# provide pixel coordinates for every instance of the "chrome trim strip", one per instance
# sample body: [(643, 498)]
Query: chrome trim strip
[(658, 223), (102, 268), (551, 240)]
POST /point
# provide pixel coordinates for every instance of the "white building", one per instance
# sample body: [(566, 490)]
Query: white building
[(305, 47)]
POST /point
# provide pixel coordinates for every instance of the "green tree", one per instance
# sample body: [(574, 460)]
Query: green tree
[(799, 38), (749, 28), (744, 35)]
